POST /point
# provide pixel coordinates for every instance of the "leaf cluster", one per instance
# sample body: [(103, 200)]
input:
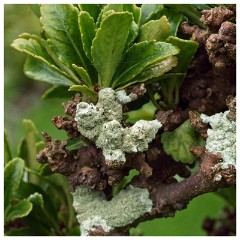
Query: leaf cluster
[(36, 202), (85, 46)]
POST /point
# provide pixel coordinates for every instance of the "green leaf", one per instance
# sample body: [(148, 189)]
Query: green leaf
[(88, 31), (188, 10), (7, 151), (136, 11), (74, 144), (157, 30), (13, 174), (57, 92), (32, 47), (21, 209), (133, 33), (60, 24), (174, 18), (93, 9), (177, 142), (27, 149), (39, 211), (41, 71), (36, 9), (28, 44), (109, 43), (157, 69), (83, 75), (147, 10), (138, 57), (85, 90), (188, 49)]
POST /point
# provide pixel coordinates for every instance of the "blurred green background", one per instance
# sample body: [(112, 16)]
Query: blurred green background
[(22, 99)]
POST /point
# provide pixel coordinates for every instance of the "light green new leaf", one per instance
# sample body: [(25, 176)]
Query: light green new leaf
[(7, 151), (177, 142), (157, 30), (41, 71), (147, 10), (88, 31), (57, 92), (138, 57), (83, 75), (13, 174), (21, 209), (109, 43), (93, 9), (60, 24)]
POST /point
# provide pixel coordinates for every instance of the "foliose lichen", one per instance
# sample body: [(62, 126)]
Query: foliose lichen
[(101, 123), (94, 210), (221, 139)]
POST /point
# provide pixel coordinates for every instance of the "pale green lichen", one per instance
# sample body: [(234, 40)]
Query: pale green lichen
[(221, 138), (94, 210), (102, 124), (137, 137), (123, 98)]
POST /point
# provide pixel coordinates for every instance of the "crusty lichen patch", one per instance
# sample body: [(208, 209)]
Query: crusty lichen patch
[(221, 139), (102, 124), (94, 210)]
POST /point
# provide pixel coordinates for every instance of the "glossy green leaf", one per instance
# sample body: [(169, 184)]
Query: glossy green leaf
[(109, 43), (88, 30), (93, 9), (60, 24), (38, 70), (39, 48), (188, 10), (21, 209), (147, 10), (13, 174), (157, 30), (57, 92), (140, 56), (83, 75), (174, 18), (7, 151), (178, 142), (157, 69), (49, 72), (188, 49)]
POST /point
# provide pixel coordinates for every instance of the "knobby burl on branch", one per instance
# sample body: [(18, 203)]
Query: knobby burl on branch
[(114, 147)]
